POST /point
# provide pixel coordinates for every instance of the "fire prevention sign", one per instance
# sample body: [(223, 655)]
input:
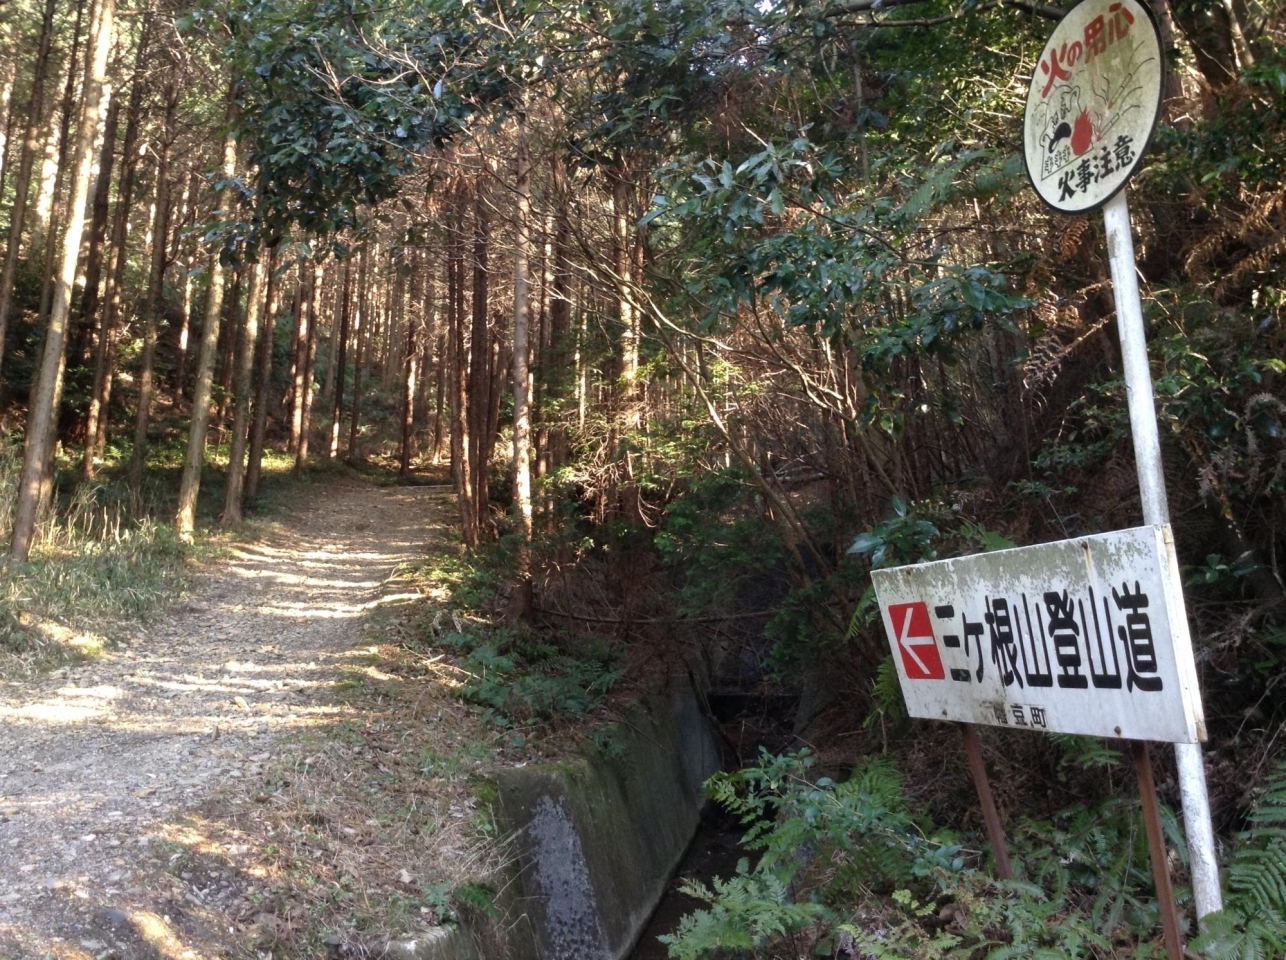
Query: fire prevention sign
[(1085, 636), (1092, 103)]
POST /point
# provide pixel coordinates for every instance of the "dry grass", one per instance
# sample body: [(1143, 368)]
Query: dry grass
[(92, 573), (369, 828)]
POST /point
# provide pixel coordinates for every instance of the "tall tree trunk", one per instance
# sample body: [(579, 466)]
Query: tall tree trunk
[(263, 376), (623, 265), (155, 284), (332, 349), (362, 322), (105, 355), (315, 289), (55, 149), (459, 371), (501, 373), (299, 361), (96, 246), (22, 188), (479, 357), (43, 414), (341, 360), (8, 79), (241, 390), (230, 333), (522, 597), (410, 364), (439, 394), (192, 195), (428, 334), (190, 481), (562, 367), (48, 213)]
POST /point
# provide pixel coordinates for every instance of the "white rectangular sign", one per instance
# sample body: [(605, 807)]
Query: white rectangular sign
[(1085, 636)]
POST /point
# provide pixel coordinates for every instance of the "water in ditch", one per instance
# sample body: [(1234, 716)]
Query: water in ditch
[(714, 852), (747, 721)]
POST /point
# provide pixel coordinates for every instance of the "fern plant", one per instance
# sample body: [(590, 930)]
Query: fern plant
[(1252, 924), (743, 913), (848, 870)]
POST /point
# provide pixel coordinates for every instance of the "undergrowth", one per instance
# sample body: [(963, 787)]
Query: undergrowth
[(1252, 923), (853, 870), (92, 566), (516, 677), (516, 674)]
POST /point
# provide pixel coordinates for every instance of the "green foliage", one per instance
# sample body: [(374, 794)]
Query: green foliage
[(517, 678), (437, 898), (903, 538), (339, 97), (715, 543), (1252, 924), (475, 897), (866, 815), (848, 869), (886, 696), (744, 912)]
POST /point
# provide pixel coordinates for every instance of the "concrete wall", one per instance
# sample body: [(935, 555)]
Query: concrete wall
[(595, 839), (598, 838)]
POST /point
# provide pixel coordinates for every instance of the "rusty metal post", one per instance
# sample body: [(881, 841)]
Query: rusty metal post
[(1156, 850), (995, 833)]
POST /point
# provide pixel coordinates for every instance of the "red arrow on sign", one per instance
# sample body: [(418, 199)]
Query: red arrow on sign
[(914, 633)]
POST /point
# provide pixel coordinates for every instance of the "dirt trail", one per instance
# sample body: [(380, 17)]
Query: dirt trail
[(97, 762)]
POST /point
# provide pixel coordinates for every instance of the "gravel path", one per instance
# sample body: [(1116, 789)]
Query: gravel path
[(98, 762)]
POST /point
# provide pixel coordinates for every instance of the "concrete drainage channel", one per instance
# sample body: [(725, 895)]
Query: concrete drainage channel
[(596, 840)]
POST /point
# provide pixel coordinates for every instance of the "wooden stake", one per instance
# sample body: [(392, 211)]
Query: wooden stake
[(995, 833), (1156, 850)]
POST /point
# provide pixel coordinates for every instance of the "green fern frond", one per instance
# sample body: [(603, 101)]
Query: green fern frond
[(1252, 925)]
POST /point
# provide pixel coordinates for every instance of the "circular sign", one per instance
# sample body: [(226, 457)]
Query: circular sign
[(1093, 103)]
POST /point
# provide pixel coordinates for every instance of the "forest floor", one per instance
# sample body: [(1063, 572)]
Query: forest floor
[(236, 778)]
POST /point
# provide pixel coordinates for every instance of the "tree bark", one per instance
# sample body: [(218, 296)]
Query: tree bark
[(22, 188), (191, 195), (521, 601), (332, 354), (299, 359), (105, 355), (479, 358), (190, 481), (155, 284), (410, 365), (360, 337), (623, 265), (230, 333), (439, 394), (263, 375), (8, 80), (48, 213), (42, 417), (96, 246), (459, 372), (341, 360), (241, 399), (561, 366), (315, 288)]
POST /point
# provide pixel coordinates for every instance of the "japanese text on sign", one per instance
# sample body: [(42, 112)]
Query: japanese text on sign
[(1092, 103), (1081, 636)]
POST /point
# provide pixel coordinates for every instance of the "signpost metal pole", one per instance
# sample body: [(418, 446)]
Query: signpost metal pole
[(1156, 511), (995, 832)]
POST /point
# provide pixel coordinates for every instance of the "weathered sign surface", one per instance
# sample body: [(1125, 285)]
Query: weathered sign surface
[(1085, 636), (1093, 103)]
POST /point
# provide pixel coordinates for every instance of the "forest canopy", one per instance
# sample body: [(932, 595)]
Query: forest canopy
[(711, 306)]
